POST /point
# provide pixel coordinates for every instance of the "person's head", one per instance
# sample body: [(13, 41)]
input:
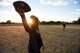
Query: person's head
[(35, 21)]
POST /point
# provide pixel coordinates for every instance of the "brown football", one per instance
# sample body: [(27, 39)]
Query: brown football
[(21, 6)]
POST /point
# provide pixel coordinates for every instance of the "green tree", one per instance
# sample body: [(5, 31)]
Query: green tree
[(78, 20), (74, 22), (8, 21)]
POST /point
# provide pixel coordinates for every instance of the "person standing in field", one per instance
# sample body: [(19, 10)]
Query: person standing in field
[(35, 41), (64, 26)]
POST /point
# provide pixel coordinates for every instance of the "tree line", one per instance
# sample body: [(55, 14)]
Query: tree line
[(60, 22), (43, 22), (8, 22), (76, 22)]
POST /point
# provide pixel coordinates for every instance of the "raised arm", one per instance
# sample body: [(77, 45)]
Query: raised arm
[(24, 21), (21, 7)]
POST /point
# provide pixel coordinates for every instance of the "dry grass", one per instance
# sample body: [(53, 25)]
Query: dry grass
[(13, 39)]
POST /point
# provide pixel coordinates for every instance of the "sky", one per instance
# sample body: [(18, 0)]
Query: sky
[(45, 10)]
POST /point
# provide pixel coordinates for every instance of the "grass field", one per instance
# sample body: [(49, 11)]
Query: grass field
[(14, 39)]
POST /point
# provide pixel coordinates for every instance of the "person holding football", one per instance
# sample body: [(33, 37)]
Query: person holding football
[(35, 40)]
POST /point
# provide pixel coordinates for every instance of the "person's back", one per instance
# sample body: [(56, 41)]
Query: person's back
[(35, 42)]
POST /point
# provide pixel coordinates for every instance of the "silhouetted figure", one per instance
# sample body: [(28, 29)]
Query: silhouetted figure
[(35, 41), (64, 26)]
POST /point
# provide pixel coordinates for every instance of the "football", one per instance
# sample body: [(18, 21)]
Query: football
[(21, 6)]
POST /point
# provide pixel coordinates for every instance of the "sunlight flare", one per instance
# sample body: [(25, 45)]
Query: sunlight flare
[(29, 21)]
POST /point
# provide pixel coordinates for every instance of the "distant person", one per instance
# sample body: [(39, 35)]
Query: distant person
[(35, 40), (64, 26)]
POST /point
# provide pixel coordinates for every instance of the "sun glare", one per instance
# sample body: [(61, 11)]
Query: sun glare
[(29, 21)]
